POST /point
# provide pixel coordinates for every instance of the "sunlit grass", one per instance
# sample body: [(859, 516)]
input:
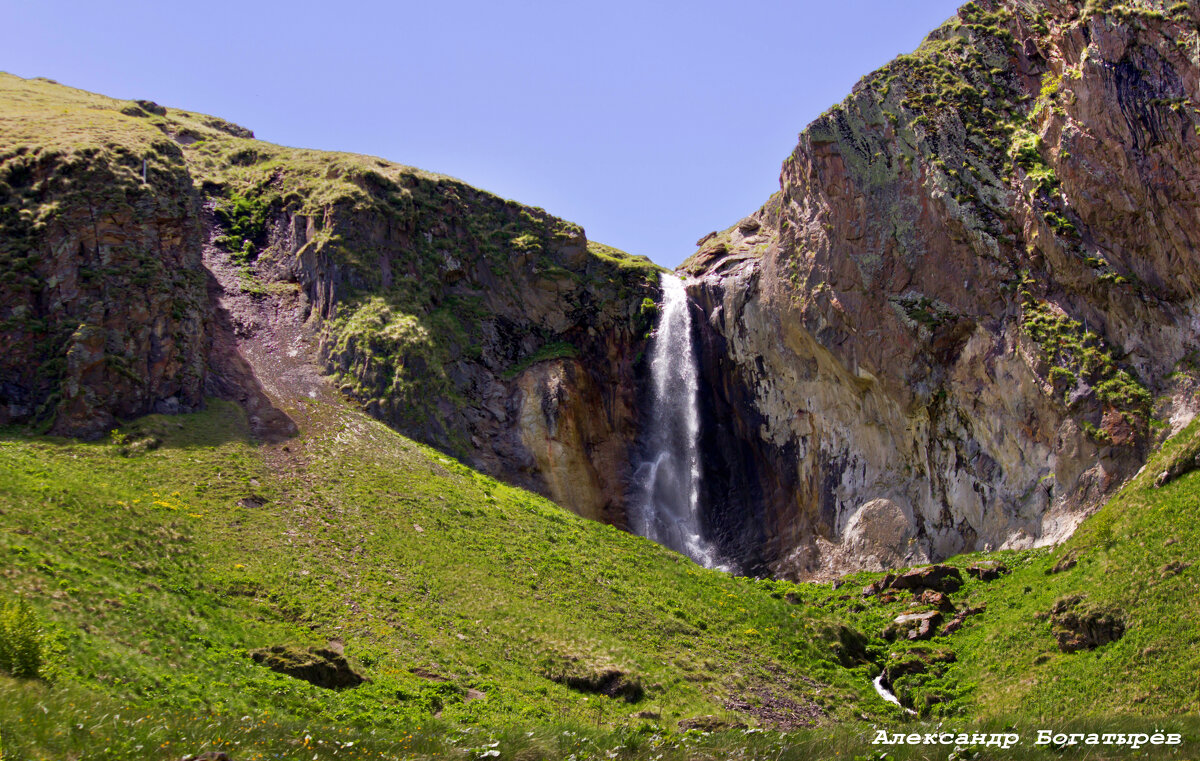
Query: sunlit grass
[(455, 594)]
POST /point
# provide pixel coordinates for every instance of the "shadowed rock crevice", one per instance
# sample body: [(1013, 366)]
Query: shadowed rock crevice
[(739, 485), (232, 377)]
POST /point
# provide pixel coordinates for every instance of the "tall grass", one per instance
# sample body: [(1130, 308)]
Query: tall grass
[(22, 645)]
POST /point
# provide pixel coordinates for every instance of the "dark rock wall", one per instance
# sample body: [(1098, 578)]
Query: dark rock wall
[(103, 293)]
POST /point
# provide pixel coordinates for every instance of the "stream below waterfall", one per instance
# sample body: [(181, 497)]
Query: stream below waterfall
[(888, 695)]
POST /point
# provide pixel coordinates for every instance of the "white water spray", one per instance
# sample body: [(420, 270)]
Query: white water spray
[(888, 695), (667, 509)]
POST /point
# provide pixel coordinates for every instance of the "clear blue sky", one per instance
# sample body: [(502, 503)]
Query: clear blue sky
[(649, 123)]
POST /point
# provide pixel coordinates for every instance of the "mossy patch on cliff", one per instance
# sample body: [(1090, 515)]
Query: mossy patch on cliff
[(1077, 355), (245, 220), (955, 98), (550, 351), (1026, 151)]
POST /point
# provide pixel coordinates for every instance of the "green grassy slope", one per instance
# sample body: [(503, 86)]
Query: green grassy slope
[(456, 595), (157, 568), (1137, 558), (1124, 556)]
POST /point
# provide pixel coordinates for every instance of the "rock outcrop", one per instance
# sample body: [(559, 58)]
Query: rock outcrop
[(490, 330), (948, 329), (320, 666), (987, 571), (1079, 626), (940, 579), (146, 250), (914, 626), (102, 297)]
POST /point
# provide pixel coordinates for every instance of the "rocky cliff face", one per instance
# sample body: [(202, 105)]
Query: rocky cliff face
[(489, 329), (960, 321), (101, 293)]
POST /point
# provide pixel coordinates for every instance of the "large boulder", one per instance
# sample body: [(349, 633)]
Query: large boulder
[(320, 666), (939, 600), (914, 626), (880, 534), (939, 578)]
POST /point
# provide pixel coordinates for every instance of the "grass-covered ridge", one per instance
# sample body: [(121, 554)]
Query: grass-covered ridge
[(354, 235)]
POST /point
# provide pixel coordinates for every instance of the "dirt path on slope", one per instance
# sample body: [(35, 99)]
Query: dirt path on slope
[(264, 356)]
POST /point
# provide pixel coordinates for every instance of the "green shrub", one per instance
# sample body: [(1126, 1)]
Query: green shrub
[(1060, 224), (647, 314), (245, 220), (21, 640), (1061, 377)]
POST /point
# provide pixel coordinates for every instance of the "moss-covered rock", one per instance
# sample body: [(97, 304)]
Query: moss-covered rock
[(320, 666)]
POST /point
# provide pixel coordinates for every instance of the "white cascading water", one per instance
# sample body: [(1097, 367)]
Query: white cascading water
[(667, 510)]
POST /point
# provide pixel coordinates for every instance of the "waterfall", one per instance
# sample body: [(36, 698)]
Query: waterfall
[(666, 508)]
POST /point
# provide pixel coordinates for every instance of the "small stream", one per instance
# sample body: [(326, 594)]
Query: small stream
[(887, 694)]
